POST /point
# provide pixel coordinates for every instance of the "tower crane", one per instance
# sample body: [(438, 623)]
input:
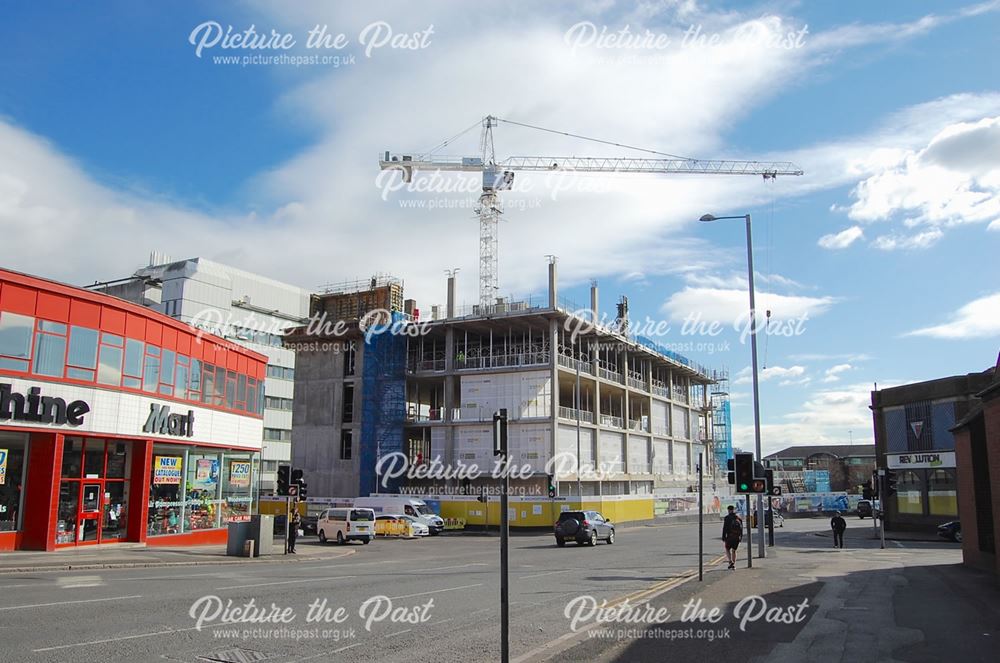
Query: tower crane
[(499, 176)]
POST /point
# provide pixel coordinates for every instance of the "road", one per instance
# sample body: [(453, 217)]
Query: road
[(448, 584)]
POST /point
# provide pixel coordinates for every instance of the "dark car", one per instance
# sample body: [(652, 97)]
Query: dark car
[(865, 509), (583, 527), (951, 531)]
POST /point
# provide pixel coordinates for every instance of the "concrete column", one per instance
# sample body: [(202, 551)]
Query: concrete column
[(594, 302), (450, 312), (553, 286)]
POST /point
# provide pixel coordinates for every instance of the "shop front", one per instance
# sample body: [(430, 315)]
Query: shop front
[(120, 424)]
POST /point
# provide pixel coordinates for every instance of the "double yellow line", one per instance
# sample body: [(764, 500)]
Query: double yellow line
[(663, 585)]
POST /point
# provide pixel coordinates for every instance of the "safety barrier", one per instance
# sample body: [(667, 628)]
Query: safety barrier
[(401, 528)]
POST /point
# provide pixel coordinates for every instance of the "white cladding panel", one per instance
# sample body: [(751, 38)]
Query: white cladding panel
[(682, 458), (661, 457), (679, 419), (611, 455), (528, 444), (638, 455), (438, 440), (566, 448), (660, 418), (124, 414), (524, 394)]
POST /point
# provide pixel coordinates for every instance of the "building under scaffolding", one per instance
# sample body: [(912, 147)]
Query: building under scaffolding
[(621, 415)]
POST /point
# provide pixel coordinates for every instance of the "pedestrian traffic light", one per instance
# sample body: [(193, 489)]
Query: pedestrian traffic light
[(744, 472), (284, 475), (552, 486), (482, 496), (890, 483), (302, 489), (867, 493), (731, 475)]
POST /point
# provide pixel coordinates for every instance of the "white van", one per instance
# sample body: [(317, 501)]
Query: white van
[(409, 506), (343, 525)]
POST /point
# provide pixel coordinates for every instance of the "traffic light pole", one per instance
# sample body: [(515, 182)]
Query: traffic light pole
[(500, 449), (882, 502), (749, 536), (701, 519), (288, 515)]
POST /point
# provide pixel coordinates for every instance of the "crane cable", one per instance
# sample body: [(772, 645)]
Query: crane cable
[(770, 251), (448, 141), (596, 140)]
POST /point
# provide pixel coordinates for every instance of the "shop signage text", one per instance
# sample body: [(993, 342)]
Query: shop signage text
[(161, 421), (35, 408), (921, 460)]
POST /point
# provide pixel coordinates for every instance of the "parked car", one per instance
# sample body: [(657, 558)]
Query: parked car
[(408, 506), (951, 531), (865, 509), (583, 527), (388, 520), (343, 525)]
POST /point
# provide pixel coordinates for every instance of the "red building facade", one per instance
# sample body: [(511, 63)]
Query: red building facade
[(118, 423)]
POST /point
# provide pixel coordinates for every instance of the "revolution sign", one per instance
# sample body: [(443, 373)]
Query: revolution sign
[(920, 460)]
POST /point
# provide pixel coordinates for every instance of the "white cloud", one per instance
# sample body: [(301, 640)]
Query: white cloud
[(953, 179), (731, 306), (843, 239), (833, 373), (788, 376), (826, 416), (979, 318)]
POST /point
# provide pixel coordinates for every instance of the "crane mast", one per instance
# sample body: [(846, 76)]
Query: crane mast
[(499, 176)]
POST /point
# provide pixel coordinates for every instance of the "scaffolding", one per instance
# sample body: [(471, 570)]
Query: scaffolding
[(722, 425), (383, 407)]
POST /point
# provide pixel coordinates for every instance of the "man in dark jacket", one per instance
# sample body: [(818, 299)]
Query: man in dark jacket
[(838, 525), (732, 534)]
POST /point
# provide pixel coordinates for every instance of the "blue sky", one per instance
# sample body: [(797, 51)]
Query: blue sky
[(118, 140)]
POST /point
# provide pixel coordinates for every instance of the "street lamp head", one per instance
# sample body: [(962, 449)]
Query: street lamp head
[(708, 217)]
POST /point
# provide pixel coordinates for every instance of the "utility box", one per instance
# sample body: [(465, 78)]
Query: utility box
[(251, 538), (237, 537), (262, 526)]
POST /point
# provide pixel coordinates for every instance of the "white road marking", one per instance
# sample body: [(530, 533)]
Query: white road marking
[(285, 582), (547, 573), (71, 582), (456, 566), (46, 605), (393, 635), (125, 637), (190, 575), (437, 591), (335, 651)]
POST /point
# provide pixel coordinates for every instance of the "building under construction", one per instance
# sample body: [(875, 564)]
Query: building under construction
[(623, 415)]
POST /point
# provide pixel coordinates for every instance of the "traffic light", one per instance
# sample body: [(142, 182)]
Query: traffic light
[(867, 493), (875, 486), (731, 475), (284, 474), (552, 486), (771, 489), (299, 482), (744, 472), (890, 483)]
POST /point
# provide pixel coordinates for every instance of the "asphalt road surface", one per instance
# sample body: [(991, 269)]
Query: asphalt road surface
[(434, 599)]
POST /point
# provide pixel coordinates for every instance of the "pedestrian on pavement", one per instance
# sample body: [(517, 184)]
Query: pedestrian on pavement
[(838, 525), (732, 534), (293, 530)]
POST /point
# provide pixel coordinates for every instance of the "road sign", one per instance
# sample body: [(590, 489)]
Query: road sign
[(775, 491), (293, 490)]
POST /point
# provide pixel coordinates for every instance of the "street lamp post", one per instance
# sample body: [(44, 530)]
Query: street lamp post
[(753, 356)]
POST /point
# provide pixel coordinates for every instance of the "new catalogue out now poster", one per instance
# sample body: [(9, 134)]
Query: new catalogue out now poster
[(167, 470)]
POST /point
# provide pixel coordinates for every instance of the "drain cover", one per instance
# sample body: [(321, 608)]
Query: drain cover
[(235, 655)]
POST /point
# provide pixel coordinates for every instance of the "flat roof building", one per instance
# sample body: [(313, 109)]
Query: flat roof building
[(118, 423)]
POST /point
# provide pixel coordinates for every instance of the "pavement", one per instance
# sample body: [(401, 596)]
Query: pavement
[(125, 555), (808, 601)]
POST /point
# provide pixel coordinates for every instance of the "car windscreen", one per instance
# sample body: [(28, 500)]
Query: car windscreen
[(571, 515), (362, 514)]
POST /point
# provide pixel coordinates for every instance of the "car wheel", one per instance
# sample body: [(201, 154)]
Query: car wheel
[(560, 542), (611, 537), (366, 541), (593, 537), (322, 536), (340, 538)]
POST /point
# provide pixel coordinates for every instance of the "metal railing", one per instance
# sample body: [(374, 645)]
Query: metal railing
[(414, 366), (638, 383), (502, 361), (571, 413), (638, 425), (612, 421), (572, 363), (613, 376)]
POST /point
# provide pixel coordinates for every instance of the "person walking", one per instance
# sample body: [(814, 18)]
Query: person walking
[(732, 534), (838, 525), (293, 529)]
